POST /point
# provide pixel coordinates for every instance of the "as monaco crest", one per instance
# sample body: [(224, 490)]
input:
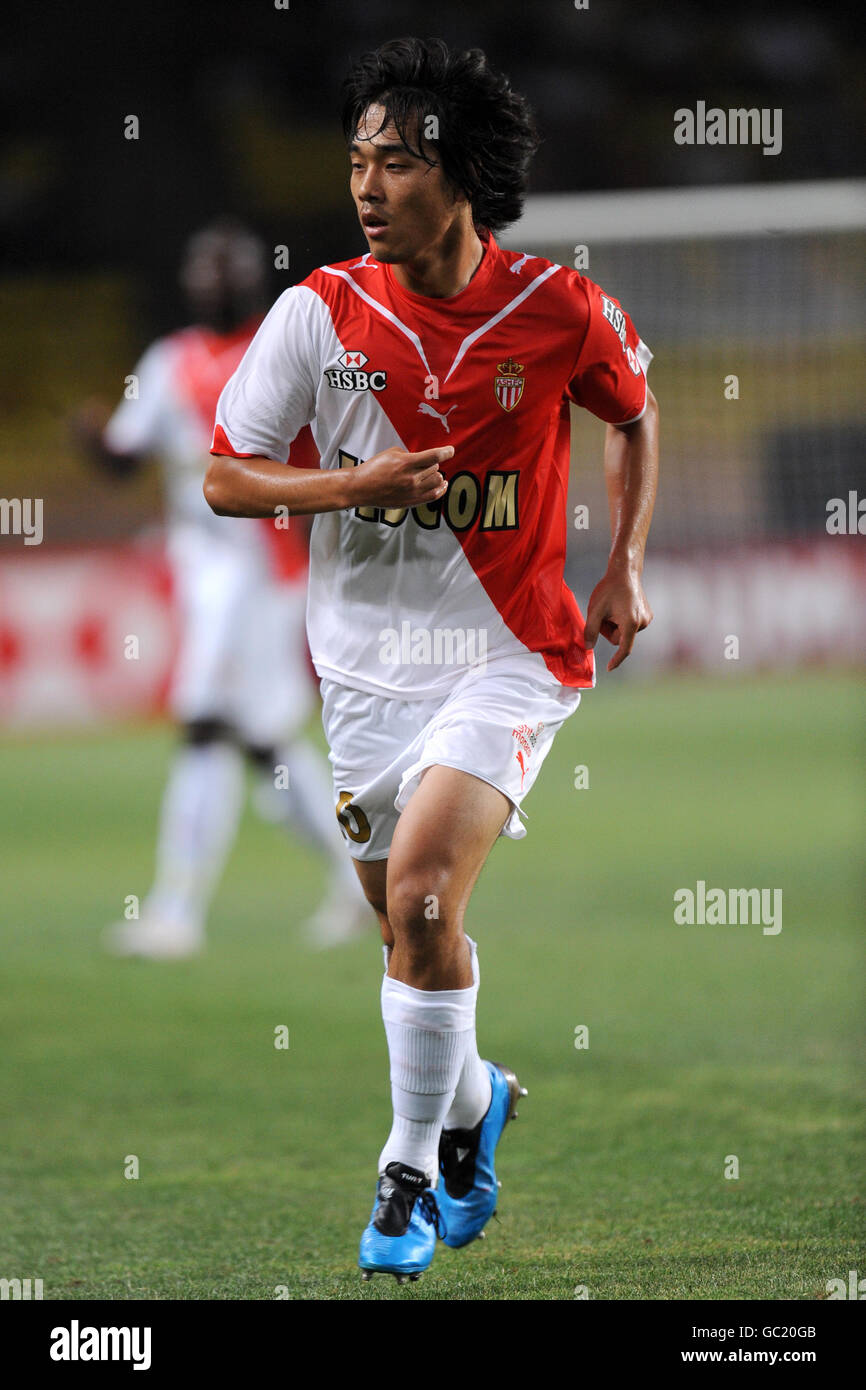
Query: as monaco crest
[(509, 384)]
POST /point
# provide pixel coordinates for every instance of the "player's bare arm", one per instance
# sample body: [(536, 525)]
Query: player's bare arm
[(87, 427), (257, 486), (618, 608)]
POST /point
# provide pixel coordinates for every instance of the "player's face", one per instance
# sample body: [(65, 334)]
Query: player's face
[(204, 278), (221, 281), (405, 206)]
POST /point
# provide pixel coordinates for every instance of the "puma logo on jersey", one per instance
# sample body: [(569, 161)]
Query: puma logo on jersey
[(425, 408)]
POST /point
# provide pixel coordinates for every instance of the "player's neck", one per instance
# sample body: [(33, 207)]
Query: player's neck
[(447, 268)]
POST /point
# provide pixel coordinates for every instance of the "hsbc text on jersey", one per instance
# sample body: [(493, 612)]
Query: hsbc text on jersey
[(615, 317), (356, 380), (619, 323)]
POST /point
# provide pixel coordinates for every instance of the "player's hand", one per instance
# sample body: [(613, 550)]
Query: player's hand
[(88, 421), (618, 609), (396, 478)]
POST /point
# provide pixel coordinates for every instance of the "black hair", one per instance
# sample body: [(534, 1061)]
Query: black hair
[(486, 132)]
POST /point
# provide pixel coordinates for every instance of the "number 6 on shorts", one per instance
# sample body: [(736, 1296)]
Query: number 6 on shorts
[(352, 819)]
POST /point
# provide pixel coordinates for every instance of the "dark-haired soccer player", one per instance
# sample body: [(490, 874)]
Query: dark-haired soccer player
[(436, 371)]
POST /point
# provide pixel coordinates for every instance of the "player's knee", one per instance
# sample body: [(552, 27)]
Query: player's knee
[(197, 732), (418, 904), (262, 757)]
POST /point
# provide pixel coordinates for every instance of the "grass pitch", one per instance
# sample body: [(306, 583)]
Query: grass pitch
[(257, 1165)]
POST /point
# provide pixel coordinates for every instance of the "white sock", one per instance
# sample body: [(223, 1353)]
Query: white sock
[(473, 1093), (428, 1032), (201, 808)]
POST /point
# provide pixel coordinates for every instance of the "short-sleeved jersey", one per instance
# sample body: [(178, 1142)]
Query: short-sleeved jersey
[(171, 414), (400, 597)]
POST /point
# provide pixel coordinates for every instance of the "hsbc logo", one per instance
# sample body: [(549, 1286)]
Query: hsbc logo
[(615, 317), (350, 376), (617, 320)]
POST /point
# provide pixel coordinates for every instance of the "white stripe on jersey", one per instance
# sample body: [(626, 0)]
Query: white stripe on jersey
[(380, 309), (469, 341), (503, 313)]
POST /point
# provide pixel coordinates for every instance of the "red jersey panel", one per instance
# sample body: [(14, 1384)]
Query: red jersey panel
[(490, 371)]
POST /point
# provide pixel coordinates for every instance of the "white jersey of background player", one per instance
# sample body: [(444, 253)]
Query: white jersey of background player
[(241, 687)]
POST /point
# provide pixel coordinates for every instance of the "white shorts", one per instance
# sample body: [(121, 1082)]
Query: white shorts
[(243, 655), (497, 725)]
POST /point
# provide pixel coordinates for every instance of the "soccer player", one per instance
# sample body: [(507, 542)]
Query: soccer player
[(436, 371), (241, 688)]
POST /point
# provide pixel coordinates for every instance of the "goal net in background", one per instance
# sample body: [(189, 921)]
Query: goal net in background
[(753, 302)]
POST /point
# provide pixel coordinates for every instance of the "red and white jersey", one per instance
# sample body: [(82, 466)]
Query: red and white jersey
[(396, 595), (177, 384)]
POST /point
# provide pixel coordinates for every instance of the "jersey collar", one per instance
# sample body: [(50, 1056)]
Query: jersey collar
[(465, 298)]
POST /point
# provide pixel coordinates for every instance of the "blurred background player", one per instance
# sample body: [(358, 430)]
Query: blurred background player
[(242, 688)]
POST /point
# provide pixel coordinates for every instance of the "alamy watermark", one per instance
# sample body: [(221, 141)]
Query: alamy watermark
[(77, 1343), (22, 516), (438, 646), (846, 516), (736, 126), (855, 1287), (714, 907), (20, 1289)]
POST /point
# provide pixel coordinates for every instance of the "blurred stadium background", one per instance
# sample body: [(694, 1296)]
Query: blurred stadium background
[(733, 265)]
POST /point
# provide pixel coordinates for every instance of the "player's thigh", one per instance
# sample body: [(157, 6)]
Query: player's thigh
[(441, 842)]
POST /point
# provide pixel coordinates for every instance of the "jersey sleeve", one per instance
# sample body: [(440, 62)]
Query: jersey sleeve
[(135, 427), (272, 395), (609, 376)]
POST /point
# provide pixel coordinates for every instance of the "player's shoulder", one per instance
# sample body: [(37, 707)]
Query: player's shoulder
[(525, 265), (160, 355), (166, 355), (170, 344), (561, 283), (294, 314), (577, 284), (360, 269)]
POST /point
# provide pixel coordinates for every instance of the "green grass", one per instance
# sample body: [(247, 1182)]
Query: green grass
[(257, 1166)]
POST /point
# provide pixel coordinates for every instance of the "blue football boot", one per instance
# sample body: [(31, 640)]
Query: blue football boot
[(468, 1191), (400, 1238)]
